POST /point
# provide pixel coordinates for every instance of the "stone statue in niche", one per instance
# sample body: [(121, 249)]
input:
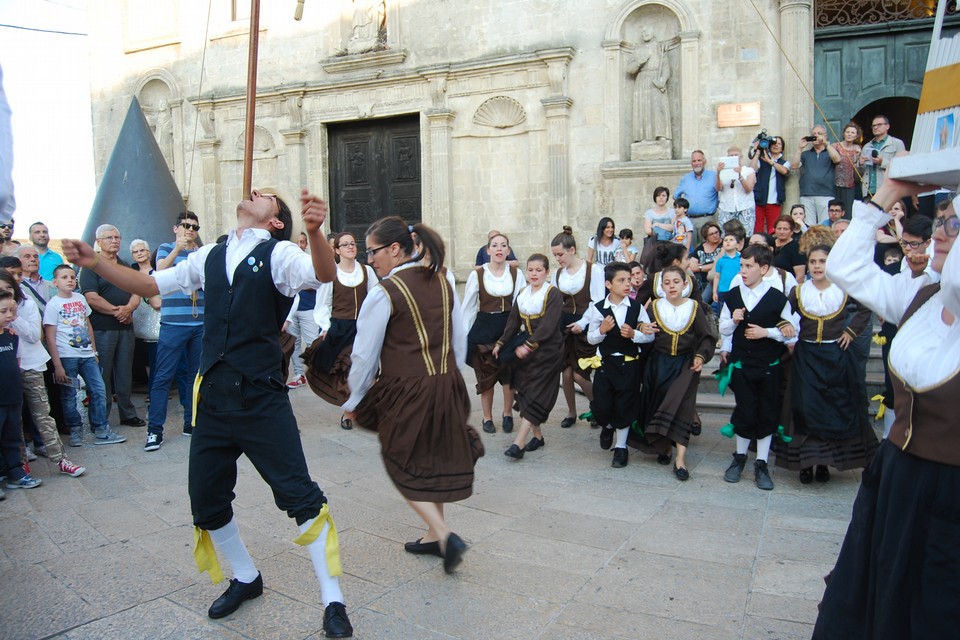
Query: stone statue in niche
[(164, 132), (368, 22), (652, 122)]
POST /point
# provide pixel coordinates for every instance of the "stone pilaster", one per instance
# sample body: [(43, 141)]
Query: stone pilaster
[(796, 36), (613, 83), (210, 167), (440, 123), (558, 153)]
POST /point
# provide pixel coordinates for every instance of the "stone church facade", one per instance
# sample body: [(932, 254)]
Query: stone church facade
[(532, 114)]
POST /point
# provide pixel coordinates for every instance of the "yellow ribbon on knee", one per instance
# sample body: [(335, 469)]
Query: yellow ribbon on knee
[(205, 555), (332, 547), (883, 408), (593, 362), (878, 339), (196, 397)]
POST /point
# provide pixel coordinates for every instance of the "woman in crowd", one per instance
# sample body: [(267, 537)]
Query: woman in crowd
[(581, 283), (658, 221), (705, 254), (889, 234), (896, 575), (410, 328), (829, 425), (603, 246), (797, 212), (487, 300), (786, 250), (338, 306), (146, 319), (686, 339), (846, 176), (533, 342)]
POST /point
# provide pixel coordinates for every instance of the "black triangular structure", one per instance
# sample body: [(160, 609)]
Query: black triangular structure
[(137, 193)]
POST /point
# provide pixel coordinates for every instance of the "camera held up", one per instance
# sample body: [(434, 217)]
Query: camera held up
[(761, 143)]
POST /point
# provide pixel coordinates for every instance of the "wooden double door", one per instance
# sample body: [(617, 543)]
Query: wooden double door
[(374, 173)]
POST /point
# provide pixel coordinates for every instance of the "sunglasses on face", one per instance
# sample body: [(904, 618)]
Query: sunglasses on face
[(192, 227), (6, 226)]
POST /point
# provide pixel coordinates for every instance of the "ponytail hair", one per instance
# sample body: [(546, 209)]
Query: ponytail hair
[(393, 229), (565, 239), (666, 254)]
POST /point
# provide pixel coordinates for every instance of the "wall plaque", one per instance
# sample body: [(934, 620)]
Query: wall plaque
[(740, 114)]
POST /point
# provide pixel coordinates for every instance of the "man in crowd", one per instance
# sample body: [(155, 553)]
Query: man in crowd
[(34, 286), (49, 260), (815, 160), (8, 246), (181, 332), (699, 187), (876, 155), (112, 321), (835, 212)]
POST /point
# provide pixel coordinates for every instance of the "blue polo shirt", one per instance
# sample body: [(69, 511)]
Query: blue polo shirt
[(701, 193), (48, 262)]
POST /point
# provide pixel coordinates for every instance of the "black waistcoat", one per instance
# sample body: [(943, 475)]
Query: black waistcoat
[(242, 321), (613, 342), (766, 314)]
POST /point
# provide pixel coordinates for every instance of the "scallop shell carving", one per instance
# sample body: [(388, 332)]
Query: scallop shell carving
[(500, 112), (262, 140)]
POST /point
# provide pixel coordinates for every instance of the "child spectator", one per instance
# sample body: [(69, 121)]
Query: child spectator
[(683, 224), (752, 315), (615, 325), (69, 337), (724, 269), (637, 276), (11, 400), (627, 252)]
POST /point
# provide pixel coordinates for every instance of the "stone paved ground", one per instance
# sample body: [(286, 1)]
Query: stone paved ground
[(562, 546)]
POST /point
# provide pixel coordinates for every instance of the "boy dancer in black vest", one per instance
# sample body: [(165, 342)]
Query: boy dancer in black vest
[(754, 315), (619, 325), (242, 407)]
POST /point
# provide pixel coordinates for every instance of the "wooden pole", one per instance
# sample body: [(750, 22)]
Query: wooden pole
[(251, 96)]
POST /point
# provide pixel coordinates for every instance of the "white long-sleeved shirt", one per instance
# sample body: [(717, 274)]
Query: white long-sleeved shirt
[(594, 318), (750, 299), (29, 326), (323, 310), (502, 285), (371, 329), (569, 284), (926, 350)]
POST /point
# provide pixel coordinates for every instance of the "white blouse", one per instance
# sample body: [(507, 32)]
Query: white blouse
[(672, 317), (570, 284), (926, 351), (530, 302), (820, 303), (495, 285), (324, 307)]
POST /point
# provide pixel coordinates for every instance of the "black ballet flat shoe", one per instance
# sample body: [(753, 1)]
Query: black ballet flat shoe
[(823, 473), (423, 548), (534, 444), (507, 424), (696, 429), (346, 423), (663, 458), (682, 474), (806, 475), (568, 422), (488, 426), (453, 555), (606, 438), (620, 457), (336, 624), (235, 595), (514, 452)]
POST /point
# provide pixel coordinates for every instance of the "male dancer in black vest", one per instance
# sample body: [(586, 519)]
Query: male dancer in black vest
[(755, 314), (242, 407), (615, 323)]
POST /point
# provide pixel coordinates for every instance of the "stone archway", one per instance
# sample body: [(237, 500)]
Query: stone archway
[(159, 95)]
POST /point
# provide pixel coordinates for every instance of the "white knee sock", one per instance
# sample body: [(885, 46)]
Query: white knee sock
[(763, 448), (229, 545), (622, 437), (329, 585), (743, 445)]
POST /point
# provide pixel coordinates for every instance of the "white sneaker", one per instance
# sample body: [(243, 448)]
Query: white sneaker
[(154, 440)]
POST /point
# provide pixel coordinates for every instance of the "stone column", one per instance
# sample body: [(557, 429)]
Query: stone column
[(691, 106), (558, 150), (293, 174), (796, 36), (614, 148), (176, 124), (440, 124), (210, 166)]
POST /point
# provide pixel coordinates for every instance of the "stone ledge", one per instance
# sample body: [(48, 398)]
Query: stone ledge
[(359, 61), (642, 169)]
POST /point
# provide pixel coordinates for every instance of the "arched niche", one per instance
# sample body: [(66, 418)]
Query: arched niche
[(160, 99), (674, 27)]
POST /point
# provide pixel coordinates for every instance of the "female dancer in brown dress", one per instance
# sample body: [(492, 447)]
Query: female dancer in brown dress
[(581, 284), (411, 325), (533, 341), (338, 305)]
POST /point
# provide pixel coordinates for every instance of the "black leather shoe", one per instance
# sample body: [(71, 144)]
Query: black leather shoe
[(568, 422), (733, 472), (823, 473), (806, 475), (619, 458), (682, 474), (697, 428), (336, 624), (423, 548), (235, 595), (346, 423), (663, 458), (507, 424), (133, 422), (488, 426), (762, 475), (514, 452), (606, 438), (534, 444), (454, 552)]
